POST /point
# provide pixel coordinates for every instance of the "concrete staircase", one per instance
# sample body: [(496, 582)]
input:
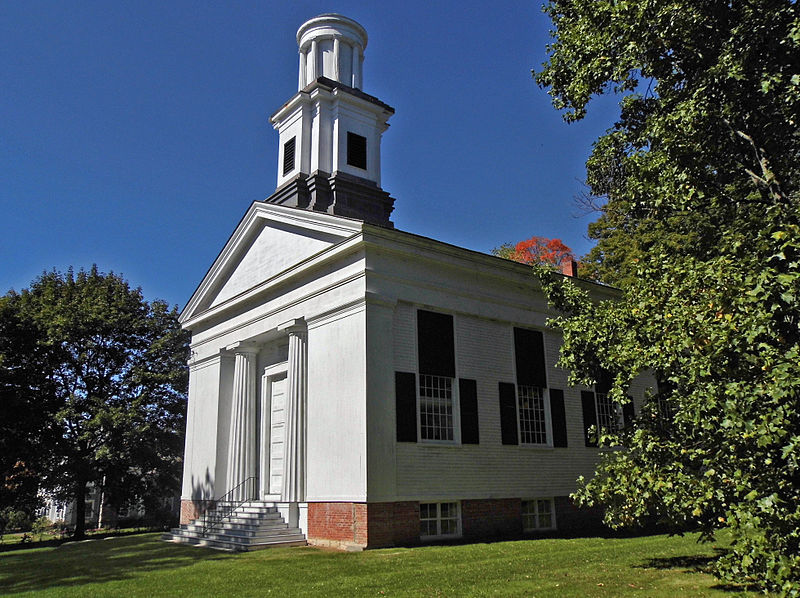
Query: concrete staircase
[(252, 526)]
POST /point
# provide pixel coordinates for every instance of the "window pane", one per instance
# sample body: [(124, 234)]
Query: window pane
[(607, 413), (544, 507), (449, 527), (436, 407), (427, 527), (448, 509), (532, 424)]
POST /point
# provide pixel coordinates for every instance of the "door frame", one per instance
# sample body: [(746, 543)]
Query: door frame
[(271, 373)]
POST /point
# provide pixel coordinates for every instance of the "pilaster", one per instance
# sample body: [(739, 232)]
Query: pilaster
[(294, 486), (242, 451)]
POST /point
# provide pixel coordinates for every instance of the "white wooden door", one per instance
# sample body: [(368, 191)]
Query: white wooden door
[(277, 435)]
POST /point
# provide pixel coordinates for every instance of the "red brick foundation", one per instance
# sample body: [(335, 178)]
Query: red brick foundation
[(491, 518), (570, 519), (192, 509), (366, 525), (375, 525), (392, 523)]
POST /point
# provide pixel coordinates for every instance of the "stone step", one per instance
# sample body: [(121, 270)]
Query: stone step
[(248, 519), (291, 536), (233, 546), (238, 525), (251, 526), (242, 533), (258, 506)]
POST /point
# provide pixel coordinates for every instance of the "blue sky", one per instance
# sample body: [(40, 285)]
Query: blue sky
[(135, 135)]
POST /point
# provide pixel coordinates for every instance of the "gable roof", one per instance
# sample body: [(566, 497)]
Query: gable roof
[(268, 240)]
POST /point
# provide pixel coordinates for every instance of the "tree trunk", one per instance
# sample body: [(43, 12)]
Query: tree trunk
[(80, 510)]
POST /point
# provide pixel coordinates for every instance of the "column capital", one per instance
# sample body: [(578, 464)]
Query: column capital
[(295, 326), (242, 347)]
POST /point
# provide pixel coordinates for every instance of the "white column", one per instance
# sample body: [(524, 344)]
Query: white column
[(264, 427), (242, 440), (301, 82), (313, 56), (294, 474), (336, 50), (358, 60)]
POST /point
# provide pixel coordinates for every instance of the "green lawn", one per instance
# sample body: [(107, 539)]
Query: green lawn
[(140, 565)]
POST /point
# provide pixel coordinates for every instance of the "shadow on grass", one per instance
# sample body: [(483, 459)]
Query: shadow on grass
[(698, 564), (59, 541), (94, 561), (693, 563)]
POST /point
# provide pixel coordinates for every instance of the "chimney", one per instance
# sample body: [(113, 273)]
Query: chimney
[(569, 268)]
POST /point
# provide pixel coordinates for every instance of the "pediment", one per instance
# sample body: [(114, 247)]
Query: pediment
[(269, 240)]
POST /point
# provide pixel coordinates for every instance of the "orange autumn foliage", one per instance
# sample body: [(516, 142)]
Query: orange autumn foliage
[(541, 250)]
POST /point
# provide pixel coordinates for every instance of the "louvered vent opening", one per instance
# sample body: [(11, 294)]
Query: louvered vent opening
[(356, 150), (288, 156)]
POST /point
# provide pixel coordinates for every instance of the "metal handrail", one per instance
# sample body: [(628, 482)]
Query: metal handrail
[(225, 506)]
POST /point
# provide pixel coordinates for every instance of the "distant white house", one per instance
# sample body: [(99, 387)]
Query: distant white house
[(377, 386), (97, 512)]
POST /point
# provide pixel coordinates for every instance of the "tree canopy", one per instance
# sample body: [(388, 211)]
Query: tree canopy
[(698, 184), (107, 389), (536, 250)]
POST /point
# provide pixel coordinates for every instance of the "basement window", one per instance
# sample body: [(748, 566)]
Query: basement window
[(538, 515), (356, 150), (439, 520)]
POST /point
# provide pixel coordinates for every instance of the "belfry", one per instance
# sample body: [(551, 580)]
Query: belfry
[(329, 156)]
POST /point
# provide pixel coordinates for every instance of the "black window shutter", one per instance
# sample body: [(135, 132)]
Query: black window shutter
[(356, 150), (628, 412), (559, 417), (589, 416), (288, 156), (603, 384), (435, 343), (405, 392), (468, 396), (508, 413), (529, 356)]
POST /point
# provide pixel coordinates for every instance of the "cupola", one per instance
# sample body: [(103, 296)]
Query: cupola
[(330, 131), (331, 46)]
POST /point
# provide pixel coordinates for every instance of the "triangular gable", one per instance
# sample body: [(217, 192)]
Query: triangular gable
[(269, 240)]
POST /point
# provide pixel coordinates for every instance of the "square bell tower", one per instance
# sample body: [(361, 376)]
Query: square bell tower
[(330, 131)]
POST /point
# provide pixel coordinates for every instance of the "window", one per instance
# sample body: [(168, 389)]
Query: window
[(356, 150), (609, 413), (437, 372), (538, 514), (435, 407), (430, 405), (288, 156), (532, 415), (439, 519), (532, 406)]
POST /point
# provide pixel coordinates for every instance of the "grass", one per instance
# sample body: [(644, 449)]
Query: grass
[(140, 565), (53, 537)]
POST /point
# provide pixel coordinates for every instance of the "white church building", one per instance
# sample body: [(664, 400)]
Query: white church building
[(368, 386)]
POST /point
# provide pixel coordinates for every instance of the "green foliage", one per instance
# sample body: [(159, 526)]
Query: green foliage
[(700, 228), (40, 527), (14, 520), (506, 251), (116, 374)]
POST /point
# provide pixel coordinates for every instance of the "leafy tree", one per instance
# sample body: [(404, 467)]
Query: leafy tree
[(117, 378), (700, 226), (536, 250), (26, 407)]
